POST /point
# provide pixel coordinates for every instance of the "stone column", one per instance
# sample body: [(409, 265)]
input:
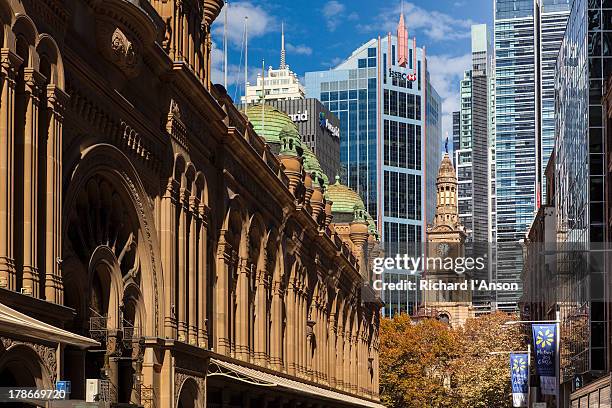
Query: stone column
[(56, 102), (290, 340), (276, 334), (310, 337), (168, 247), (331, 346), (182, 267), (203, 274), (9, 63), (242, 315), (194, 204), (223, 297), (261, 320), (31, 280)]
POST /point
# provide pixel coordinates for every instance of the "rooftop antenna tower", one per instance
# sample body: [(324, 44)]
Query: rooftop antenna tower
[(282, 55)]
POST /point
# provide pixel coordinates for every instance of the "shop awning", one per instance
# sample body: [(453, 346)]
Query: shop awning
[(16, 323), (264, 379)]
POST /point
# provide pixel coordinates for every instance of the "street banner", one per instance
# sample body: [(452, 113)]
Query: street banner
[(519, 375), (545, 341)]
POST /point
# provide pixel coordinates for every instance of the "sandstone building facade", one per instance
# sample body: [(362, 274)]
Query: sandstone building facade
[(445, 239), (150, 238)]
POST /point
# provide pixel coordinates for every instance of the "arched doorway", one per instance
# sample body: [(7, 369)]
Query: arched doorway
[(109, 266), (189, 395), (21, 367)]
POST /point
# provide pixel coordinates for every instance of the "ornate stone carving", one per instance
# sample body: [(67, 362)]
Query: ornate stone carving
[(119, 48), (46, 353)]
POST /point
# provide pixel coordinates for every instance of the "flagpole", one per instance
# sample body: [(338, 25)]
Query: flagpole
[(558, 360), (529, 374), (225, 45), (246, 54)]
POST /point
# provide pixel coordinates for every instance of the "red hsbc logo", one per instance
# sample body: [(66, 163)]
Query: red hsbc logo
[(402, 75)]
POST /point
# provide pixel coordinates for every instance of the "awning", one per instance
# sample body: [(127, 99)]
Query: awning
[(14, 322), (264, 379)]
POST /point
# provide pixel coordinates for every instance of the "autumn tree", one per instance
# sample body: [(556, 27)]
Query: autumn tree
[(415, 360), (481, 379), (428, 364)]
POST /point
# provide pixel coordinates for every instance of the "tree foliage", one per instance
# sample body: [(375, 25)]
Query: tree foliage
[(428, 364)]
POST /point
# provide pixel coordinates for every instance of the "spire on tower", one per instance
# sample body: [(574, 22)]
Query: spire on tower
[(282, 55), (402, 41)]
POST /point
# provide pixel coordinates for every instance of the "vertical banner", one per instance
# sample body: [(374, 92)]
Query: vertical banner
[(519, 375), (545, 340)]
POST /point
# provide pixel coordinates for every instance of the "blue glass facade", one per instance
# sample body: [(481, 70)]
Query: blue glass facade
[(585, 60), (527, 40), (390, 145)]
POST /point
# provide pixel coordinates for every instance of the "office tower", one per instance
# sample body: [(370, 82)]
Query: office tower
[(456, 130), (526, 39), (390, 117), (463, 155), (472, 155), (278, 84), (582, 174), (319, 129)]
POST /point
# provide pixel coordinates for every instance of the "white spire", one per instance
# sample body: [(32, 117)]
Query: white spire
[(282, 56)]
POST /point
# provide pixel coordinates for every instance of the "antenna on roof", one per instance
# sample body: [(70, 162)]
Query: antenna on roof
[(282, 55)]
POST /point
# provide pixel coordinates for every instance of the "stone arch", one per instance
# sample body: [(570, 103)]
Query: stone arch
[(21, 364), (48, 50), (113, 167), (188, 393), (235, 225), (25, 34), (6, 18), (201, 188), (257, 240), (188, 177), (103, 270), (179, 167)]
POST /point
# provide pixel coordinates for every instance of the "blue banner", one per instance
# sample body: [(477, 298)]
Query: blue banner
[(545, 338), (545, 344), (519, 375)]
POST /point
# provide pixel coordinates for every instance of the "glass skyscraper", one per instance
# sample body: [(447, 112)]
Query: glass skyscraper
[(390, 149), (584, 63), (526, 37)]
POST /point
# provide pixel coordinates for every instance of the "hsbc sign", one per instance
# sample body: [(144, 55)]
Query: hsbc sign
[(402, 75)]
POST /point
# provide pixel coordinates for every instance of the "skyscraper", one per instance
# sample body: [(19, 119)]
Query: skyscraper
[(456, 130), (581, 169), (390, 119), (526, 40), (280, 84)]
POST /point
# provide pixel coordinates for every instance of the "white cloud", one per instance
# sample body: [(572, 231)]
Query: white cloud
[(332, 12), (446, 73), (298, 49), (434, 24), (235, 73), (259, 22)]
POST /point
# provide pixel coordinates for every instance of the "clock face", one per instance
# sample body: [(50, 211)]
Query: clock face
[(443, 249)]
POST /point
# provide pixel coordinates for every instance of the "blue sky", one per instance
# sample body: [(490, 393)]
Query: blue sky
[(321, 33)]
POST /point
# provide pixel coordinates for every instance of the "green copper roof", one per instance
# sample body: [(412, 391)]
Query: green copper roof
[(269, 123), (344, 199), (291, 143), (312, 166)]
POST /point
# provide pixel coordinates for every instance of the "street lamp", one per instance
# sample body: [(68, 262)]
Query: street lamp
[(557, 322)]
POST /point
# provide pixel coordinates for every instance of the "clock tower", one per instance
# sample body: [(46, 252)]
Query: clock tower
[(445, 242)]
